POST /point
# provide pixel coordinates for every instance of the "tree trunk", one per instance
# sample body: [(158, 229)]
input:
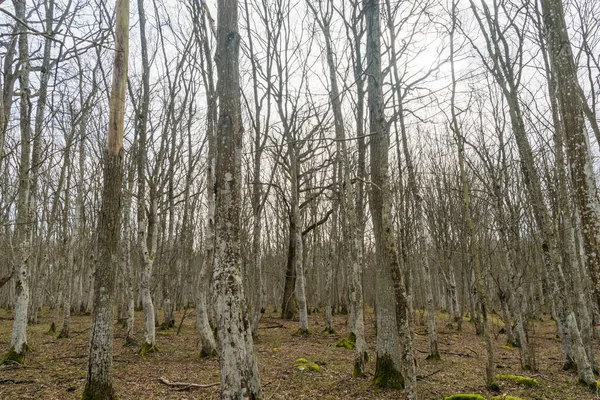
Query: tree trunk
[(389, 276), (578, 152), (238, 367), (18, 342), (98, 385)]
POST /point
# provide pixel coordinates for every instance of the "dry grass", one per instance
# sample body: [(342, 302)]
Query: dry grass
[(58, 366)]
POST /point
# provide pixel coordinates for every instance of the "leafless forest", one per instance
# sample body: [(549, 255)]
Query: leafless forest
[(398, 180)]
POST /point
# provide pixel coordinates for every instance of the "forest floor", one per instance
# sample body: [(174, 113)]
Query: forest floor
[(57, 367)]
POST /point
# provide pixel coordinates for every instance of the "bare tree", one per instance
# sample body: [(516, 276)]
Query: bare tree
[(98, 384)]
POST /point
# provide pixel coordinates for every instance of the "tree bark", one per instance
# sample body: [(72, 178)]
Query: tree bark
[(237, 362), (98, 385), (18, 342), (389, 276)]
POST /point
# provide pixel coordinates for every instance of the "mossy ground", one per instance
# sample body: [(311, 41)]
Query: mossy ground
[(520, 380), (58, 367)]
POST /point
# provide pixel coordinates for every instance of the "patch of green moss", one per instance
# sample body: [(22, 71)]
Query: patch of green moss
[(434, 357), (148, 348), (303, 332), (386, 374), (493, 386), (207, 354), (302, 364), (13, 356), (347, 342), (508, 346), (465, 396), (593, 387), (99, 391), (521, 380)]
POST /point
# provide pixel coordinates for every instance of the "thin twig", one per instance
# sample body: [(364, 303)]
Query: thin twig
[(186, 385)]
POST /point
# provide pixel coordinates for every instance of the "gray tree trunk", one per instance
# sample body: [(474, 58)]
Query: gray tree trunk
[(237, 362)]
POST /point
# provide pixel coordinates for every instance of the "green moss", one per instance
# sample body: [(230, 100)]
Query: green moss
[(99, 391), (465, 396), (302, 364), (521, 380), (386, 374), (493, 386), (207, 354), (347, 342), (148, 348), (13, 356), (593, 387), (329, 331), (508, 346), (303, 332), (434, 357)]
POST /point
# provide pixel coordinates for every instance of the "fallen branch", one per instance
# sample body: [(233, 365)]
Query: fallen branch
[(185, 385), (271, 326), (15, 381), (423, 377), (456, 354)]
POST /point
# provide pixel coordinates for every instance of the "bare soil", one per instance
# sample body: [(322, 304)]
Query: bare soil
[(57, 367)]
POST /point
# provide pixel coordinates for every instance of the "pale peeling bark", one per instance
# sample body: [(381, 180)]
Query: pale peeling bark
[(98, 385), (237, 362), (394, 308)]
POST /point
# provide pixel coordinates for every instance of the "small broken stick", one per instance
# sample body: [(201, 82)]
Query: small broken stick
[(185, 385)]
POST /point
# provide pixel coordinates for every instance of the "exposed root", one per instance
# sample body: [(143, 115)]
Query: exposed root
[(148, 348)]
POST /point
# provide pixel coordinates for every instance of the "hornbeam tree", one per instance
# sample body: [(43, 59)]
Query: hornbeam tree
[(389, 275), (98, 384), (238, 367)]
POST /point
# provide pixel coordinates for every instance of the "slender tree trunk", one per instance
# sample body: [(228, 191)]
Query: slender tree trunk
[(146, 219), (98, 385), (18, 342), (389, 276), (348, 208), (238, 367), (466, 194), (69, 243), (203, 308)]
